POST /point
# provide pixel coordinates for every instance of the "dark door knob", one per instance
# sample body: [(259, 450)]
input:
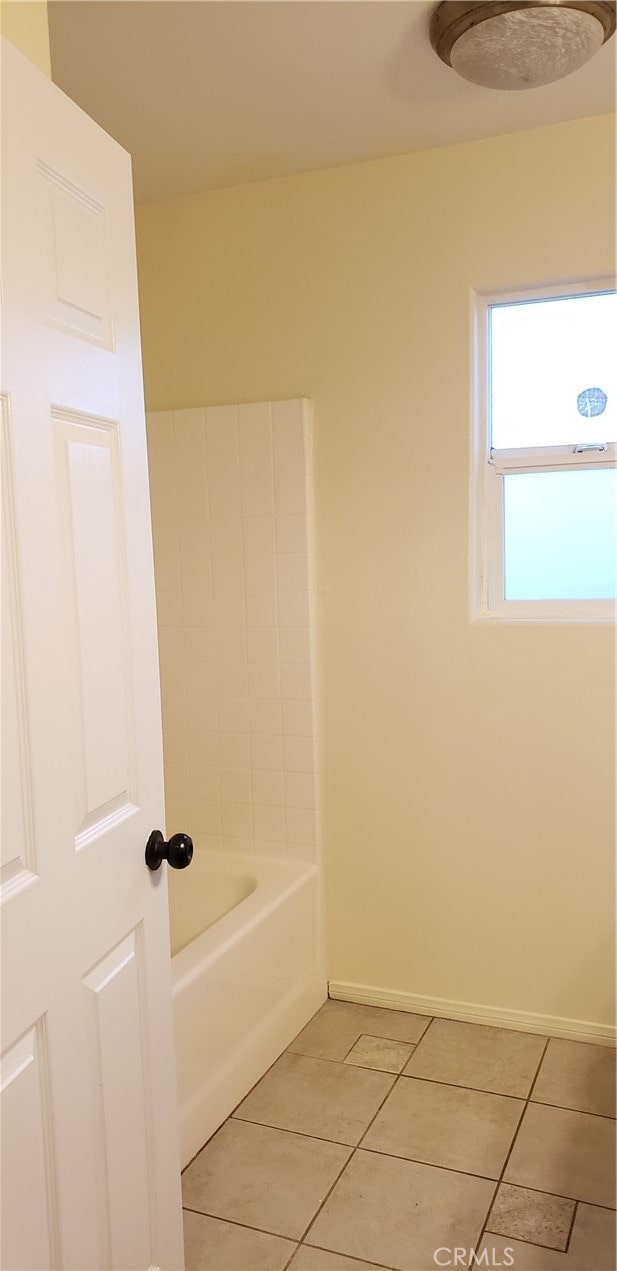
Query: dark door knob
[(178, 852)]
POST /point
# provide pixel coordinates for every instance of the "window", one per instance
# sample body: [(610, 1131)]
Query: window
[(544, 481)]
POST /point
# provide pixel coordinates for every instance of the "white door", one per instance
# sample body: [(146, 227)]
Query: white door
[(90, 1173)]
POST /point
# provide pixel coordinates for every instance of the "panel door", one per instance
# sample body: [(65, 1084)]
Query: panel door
[(90, 1173)]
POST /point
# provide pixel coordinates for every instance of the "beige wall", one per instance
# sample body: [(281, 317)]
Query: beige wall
[(467, 768), (24, 23)]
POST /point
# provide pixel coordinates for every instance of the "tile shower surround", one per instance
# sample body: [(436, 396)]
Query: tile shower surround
[(231, 491)]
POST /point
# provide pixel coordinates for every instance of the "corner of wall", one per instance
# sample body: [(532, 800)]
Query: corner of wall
[(25, 24)]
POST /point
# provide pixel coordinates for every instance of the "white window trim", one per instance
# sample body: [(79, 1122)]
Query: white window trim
[(487, 603)]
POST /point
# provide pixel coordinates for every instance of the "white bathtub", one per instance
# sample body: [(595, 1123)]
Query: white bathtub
[(248, 972)]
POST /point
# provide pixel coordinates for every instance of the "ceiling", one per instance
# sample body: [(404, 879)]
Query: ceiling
[(213, 93)]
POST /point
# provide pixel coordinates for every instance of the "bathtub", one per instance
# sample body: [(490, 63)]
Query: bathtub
[(248, 972)]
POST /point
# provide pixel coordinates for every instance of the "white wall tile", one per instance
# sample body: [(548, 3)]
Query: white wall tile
[(232, 681), (207, 816), (223, 461), (194, 573), (261, 609), (229, 609), (205, 784), (227, 572), (298, 754), (198, 607), (174, 713), (292, 571), (264, 680), (258, 534), (268, 788), (173, 678), (256, 459), (177, 781), (269, 824), (296, 682), (299, 790), (233, 715), (239, 846), (262, 644), (230, 644), (202, 708), (300, 827), (199, 644), (235, 785), (169, 607), (289, 459), (260, 572), (291, 533), (265, 716), (235, 750), (189, 458), (295, 644), (226, 535), (294, 609), (238, 820), (232, 537), (266, 751), (193, 537), (202, 685), (178, 816), (176, 745), (297, 719)]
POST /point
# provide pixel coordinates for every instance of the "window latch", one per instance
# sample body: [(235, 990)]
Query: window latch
[(598, 445)]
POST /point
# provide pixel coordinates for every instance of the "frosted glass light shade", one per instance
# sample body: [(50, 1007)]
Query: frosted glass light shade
[(527, 47)]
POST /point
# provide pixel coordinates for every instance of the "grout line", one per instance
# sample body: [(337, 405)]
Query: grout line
[(571, 1226), (235, 1223), (354, 1043), (379, 1265), (292, 1256), (535, 1244), (431, 1021), (327, 1196), (349, 1159), (511, 1148), (562, 1107), (454, 1085), (301, 1134)]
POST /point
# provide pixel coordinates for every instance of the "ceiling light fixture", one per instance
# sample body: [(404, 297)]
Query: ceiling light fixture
[(519, 44)]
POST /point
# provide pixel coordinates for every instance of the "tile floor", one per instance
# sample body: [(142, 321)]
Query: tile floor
[(380, 1138)]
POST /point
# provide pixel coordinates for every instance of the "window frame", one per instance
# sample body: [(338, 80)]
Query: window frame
[(488, 468)]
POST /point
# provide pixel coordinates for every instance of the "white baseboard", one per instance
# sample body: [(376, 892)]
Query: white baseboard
[(524, 1021)]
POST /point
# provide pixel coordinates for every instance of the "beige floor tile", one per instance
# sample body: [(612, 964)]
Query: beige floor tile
[(577, 1075), (592, 1246), (567, 1153), (397, 1213), (532, 1216), (337, 1025), (213, 1245), (316, 1096), (309, 1259), (466, 1130), (496, 1059), (378, 1052), (264, 1178)]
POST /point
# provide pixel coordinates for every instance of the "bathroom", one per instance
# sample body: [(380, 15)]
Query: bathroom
[(399, 797)]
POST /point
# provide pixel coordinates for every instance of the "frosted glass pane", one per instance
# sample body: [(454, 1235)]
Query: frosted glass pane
[(559, 535), (545, 354)]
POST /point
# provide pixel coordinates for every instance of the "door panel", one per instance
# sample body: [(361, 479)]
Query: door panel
[(29, 1226), (90, 1176)]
